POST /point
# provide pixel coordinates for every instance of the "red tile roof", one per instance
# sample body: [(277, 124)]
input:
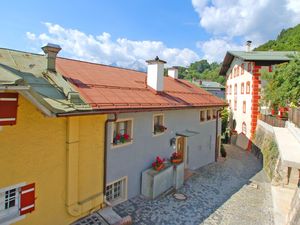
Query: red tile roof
[(110, 88)]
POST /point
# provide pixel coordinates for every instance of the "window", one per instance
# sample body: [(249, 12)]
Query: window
[(122, 132), (214, 112), (15, 201), (242, 68), (158, 124), (237, 71), (235, 89), (116, 192), (248, 87), (249, 67), (244, 106), (202, 115), (235, 104), (208, 114), (230, 89), (242, 88)]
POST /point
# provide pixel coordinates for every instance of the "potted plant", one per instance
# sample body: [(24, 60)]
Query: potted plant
[(119, 138), (176, 158), (223, 151), (159, 128), (158, 164)]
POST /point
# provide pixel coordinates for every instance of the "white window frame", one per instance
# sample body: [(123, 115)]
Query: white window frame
[(163, 123), (113, 146), (124, 191), (11, 215)]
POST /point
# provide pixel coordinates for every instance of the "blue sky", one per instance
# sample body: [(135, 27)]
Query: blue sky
[(126, 33)]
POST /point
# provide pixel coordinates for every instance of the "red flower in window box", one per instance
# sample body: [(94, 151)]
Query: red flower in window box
[(118, 137), (126, 137), (158, 164)]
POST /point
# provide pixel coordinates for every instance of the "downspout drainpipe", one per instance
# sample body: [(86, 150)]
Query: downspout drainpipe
[(105, 149), (216, 142)]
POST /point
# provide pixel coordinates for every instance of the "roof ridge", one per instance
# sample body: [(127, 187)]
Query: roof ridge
[(100, 64), (21, 51)]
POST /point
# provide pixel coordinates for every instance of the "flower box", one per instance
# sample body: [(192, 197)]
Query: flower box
[(176, 161)]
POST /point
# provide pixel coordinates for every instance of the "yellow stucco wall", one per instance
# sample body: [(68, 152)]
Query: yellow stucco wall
[(65, 164)]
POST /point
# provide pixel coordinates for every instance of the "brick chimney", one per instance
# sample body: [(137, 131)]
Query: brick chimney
[(155, 74), (173, 72), (51, 51)]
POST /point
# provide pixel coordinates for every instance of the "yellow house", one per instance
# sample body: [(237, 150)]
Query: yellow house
[(52, 168)]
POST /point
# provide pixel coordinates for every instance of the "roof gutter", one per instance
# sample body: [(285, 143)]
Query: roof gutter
[(105, 150), (133, 110), (217, 144)]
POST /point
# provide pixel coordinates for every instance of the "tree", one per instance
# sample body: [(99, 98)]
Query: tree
[(283, 85)]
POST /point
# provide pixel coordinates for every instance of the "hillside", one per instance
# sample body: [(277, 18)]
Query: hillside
[(287, 40)]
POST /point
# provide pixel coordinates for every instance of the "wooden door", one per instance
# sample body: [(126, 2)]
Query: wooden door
[(180, 147)]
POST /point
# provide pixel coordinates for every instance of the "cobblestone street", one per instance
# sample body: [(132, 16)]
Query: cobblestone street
[(220, 193)]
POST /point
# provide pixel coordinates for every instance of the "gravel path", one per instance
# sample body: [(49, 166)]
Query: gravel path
[(217, 194)]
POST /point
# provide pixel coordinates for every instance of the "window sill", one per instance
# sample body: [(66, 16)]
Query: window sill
[(158, 134), (117, 201), (113, 146)]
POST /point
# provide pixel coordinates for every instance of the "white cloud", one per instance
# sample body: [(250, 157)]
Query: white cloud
[(103, 49), (256, 20), (30, 36), (215, 49)]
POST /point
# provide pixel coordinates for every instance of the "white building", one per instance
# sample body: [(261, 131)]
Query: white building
[(243, 71)]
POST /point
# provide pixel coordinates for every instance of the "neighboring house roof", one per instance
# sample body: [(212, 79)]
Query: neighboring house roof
[(112, 88), (211, 85), (260, 57), (26, 72), (83, 87)]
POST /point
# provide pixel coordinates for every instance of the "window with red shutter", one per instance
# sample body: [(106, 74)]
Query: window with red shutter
[(27, 199), (8, 108)]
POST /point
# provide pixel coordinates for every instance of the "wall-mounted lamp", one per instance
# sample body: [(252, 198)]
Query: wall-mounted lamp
[(173, 142)]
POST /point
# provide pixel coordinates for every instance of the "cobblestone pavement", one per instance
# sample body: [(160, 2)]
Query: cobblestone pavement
[(217, 194)]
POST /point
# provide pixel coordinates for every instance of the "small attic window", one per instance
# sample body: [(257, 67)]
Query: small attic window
[(31, 66)]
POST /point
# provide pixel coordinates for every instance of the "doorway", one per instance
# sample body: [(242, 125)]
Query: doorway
[(181, 149)]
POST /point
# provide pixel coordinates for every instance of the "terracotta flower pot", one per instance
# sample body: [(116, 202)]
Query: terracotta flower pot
[(176, 161), (160, 167)]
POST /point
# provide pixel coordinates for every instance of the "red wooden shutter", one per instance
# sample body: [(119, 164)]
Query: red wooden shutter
[(8, 108), (27, 199)]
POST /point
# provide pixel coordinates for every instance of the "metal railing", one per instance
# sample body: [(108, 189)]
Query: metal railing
[(272, 120), (294, 116)]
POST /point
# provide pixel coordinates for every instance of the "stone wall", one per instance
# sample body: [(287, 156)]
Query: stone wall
[(264, 141), (294, 214)]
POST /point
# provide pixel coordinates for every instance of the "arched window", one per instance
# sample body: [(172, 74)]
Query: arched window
[(248, 87), (242, 68), (249, 67), (244, 106), (235, 89), (242, 88), (244, 128)]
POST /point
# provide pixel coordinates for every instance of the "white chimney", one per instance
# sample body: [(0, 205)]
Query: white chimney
[(248, 46), (51, 51), (155, 74), (173, 72)]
